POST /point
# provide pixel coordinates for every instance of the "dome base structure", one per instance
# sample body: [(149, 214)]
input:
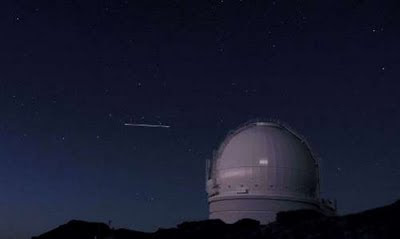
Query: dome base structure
[(260, 208), (261, 169)]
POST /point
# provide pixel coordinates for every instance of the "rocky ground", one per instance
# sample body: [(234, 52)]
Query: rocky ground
[(379, 223)]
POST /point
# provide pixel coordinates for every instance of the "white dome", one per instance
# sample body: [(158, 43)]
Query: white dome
[(260, 169)]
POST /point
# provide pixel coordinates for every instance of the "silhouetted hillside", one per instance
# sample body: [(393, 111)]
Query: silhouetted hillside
[(377, 223)]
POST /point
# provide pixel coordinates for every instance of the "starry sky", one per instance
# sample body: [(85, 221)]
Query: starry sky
[(73, 72)]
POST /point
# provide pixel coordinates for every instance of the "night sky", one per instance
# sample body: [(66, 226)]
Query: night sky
[(72, 72)]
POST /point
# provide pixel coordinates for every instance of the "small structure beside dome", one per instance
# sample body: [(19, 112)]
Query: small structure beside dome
[(260, 169)]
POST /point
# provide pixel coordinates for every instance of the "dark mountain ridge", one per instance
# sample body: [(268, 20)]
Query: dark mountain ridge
[(379, 223)]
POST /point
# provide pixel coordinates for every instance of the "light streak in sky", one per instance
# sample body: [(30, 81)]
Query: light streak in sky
[(148, 125)]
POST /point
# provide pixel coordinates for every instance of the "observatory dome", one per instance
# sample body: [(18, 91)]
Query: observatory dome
[(260, 169)]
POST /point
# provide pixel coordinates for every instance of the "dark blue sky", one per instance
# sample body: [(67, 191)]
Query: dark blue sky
[(72, 72)]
